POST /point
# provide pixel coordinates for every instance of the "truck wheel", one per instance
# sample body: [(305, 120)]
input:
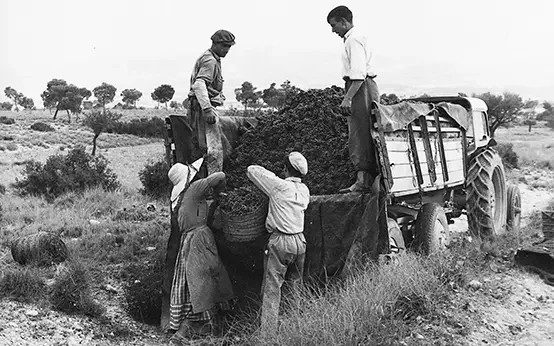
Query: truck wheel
[(486, 195), (431, 233), (514, 209), (397, 244)]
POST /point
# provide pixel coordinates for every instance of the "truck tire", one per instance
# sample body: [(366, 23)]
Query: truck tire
[(513, 220), (431, 232), (397, 244), (486, 198)]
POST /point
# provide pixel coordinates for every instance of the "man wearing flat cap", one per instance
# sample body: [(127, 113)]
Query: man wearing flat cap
[(206, 85), (286, 247)]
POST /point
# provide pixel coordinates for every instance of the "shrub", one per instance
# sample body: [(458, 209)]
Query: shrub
[(70, 292), (22, 284), (508, 155), (2, 191), (154, 179), (6, 120), (143, 127), (142, 287), (75, 171), (42, 127), (11, 146)]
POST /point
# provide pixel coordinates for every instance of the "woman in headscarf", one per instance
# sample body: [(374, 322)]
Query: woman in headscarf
[(200, 282)]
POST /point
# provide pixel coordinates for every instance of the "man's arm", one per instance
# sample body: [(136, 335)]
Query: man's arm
[(204, 77), (264, 179)]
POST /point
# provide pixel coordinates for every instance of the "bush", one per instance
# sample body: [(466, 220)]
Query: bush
[(143, 282), (154, 179), (143, 127), (76, 171), (6, 120), (22, 284), (70, 292), (508, 155), (42, 127), (5, 106), (2, 191), (11, 146)]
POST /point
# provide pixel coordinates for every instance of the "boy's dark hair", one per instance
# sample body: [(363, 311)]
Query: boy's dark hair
[(340, 12), (292, 171)]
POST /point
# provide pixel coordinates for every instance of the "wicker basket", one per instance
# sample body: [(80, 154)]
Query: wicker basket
[(244, 228)]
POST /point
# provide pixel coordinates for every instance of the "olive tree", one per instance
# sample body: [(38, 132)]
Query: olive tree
[(98, 122)]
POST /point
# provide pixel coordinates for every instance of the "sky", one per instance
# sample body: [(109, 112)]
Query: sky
[(440, 47)]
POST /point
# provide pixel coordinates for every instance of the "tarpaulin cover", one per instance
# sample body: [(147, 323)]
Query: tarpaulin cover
[(333, 224), (456, 112), (398, 116)]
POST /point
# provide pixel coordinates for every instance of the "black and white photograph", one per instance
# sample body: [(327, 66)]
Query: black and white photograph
[(276, 172)]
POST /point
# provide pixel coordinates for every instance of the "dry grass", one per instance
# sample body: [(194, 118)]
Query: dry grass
[(535, 148), (393, 303)]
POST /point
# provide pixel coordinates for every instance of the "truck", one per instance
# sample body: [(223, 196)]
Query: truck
[(436, 162)]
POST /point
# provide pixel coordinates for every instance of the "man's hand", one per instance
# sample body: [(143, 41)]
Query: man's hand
[(346, 106), (210, 115)]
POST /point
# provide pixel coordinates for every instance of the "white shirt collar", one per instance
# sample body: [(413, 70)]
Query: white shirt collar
[(348, 33)]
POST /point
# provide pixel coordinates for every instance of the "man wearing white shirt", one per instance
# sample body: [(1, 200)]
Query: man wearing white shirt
[(286, 247), (360, 91)]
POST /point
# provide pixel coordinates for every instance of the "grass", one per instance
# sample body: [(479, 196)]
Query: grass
[(534, 148), (394, 303), (22, 284), (408, 298)]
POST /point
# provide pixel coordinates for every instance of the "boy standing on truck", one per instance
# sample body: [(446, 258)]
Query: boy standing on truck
[(286, 247), (360, 91)]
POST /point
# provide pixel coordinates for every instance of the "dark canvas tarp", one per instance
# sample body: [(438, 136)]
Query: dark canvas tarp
[(339, 230), (456, 112), (398, 116)]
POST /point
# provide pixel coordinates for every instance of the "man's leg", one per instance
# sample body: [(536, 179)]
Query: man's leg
[(274, 276), (360, 145), (215, 147), (295, 270)]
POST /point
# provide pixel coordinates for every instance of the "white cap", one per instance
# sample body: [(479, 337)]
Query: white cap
[(181, 175), (298, 161)]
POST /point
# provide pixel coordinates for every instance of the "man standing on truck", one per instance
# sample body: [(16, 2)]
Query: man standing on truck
[(286, 247), (206, 85), (360, 91)]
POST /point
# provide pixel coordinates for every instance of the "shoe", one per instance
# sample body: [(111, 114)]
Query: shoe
[(362, 183)]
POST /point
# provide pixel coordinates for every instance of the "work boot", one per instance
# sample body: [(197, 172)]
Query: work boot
[(362, 183)]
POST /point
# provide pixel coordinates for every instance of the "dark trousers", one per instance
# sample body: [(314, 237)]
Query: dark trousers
[(360, 145)]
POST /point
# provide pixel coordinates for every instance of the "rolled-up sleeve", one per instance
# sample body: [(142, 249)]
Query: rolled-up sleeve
[(356, 54)]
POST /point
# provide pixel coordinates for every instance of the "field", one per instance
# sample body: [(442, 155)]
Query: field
[(468, 296)]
